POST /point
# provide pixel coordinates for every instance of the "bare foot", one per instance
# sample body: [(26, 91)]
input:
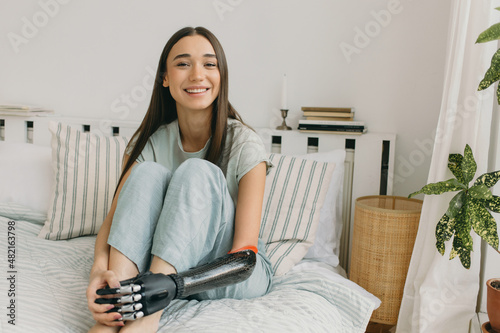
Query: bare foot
[(100, 328), (148, 324)]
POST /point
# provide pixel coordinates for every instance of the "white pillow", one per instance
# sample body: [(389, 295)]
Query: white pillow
[(25, 175), (295, 191), (326, 246), (22, 213), (86, 168)]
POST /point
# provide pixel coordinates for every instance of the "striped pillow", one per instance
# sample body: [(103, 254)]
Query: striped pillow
[(295, 191), (86, 168)]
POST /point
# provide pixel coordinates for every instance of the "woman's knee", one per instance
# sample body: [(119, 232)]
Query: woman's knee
[(197, 165), (151, 172), (199, 171)]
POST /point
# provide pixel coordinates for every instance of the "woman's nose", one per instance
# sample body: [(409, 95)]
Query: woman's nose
[(196, 73)]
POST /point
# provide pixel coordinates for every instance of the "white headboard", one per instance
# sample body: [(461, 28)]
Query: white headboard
[(369, 165)]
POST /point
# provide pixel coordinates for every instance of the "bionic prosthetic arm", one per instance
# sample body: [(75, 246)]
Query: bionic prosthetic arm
[(148, 293)]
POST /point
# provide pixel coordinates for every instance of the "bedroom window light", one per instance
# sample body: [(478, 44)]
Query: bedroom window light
[(2, 129)]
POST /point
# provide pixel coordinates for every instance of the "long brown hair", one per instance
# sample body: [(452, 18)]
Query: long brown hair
[(162, 108)]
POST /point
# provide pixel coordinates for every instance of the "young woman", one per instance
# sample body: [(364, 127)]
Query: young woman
[(192, 184)]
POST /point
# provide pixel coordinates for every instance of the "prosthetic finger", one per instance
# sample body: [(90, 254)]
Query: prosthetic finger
[(120, 300), (147, 292), (143, 295), (124, 289), (129, 311), (126, 308)]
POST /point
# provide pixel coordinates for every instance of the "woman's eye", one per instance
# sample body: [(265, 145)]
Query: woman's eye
[(211, 64), (182, 64)]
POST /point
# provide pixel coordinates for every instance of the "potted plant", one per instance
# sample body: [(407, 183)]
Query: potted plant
[(491, 76), (493, 305), (468, 210)]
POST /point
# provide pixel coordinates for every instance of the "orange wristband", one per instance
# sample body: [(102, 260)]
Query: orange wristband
[(251, 248)]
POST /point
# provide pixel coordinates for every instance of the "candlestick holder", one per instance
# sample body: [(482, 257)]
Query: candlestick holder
[(284, 126)]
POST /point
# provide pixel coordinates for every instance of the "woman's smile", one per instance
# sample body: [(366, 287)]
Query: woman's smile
[(196, 91)]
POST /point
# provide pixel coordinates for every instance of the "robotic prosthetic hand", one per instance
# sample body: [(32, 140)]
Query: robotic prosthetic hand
[(148, 293)]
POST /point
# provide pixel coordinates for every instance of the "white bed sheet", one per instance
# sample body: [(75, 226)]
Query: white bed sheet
[(51, 278)]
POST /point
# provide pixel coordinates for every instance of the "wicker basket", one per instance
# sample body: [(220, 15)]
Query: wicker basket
[(384, 233)]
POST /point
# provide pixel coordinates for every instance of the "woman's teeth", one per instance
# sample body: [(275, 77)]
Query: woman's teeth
[(194, 91)]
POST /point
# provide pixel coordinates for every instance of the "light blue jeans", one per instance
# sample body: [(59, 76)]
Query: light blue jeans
[(186, 218)]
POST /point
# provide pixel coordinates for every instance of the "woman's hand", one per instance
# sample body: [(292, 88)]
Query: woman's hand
[(101, 279)]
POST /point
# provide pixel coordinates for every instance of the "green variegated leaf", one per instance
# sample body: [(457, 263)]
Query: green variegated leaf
[(492, 33), (469, 209), (469, 165), (493, 204), (449, 185), (493, 73), (456, 204), (444, 231), (483, 223), (488, 179), (462, 251), (455, 166), (453, 253), (466, 240), (481, 192), (498, 94), (463, 226)]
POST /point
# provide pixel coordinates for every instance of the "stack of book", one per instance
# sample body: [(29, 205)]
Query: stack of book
[(23, 110), (330, 120), (321, 113)]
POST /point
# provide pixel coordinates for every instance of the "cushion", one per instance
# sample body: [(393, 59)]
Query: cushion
[(19, 212), (86, 168), (26, 177), (295, 191), (326, 246)]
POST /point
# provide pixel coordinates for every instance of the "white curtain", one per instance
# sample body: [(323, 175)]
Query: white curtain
[(440, 294)]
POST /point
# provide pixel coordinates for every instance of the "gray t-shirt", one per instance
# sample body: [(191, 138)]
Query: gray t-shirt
[(243, 151)]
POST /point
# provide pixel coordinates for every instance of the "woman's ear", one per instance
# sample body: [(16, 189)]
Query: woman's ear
[(165, 81)]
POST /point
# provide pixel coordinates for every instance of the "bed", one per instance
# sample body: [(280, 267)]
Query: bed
[(46, 263)]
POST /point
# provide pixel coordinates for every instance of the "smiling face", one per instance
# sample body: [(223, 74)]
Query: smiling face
[(192, 74)]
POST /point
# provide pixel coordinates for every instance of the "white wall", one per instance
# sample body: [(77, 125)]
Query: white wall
[(97, 58)]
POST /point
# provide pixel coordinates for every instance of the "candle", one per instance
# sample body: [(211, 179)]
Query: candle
[(283, 94)]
